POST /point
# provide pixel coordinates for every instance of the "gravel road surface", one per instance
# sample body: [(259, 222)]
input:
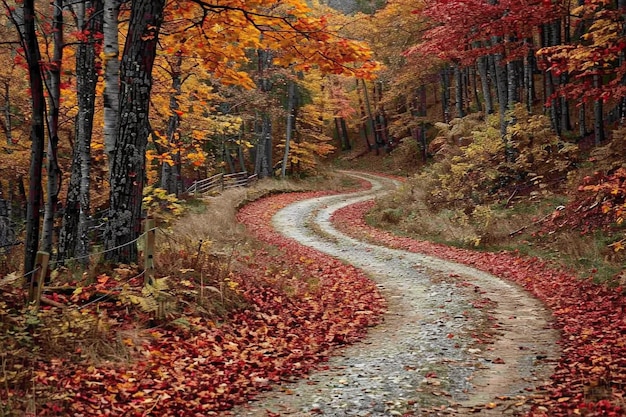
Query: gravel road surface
[(455, 341)]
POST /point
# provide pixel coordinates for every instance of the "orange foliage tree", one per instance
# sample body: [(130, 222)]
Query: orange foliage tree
[(223, 33)]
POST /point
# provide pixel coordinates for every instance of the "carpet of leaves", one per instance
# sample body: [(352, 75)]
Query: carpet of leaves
[(590, 376), (600, 205), (300, 306)]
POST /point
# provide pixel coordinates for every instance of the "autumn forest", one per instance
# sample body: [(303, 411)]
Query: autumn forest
[(128, 289)]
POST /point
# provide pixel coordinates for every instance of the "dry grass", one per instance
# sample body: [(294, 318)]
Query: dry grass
[(492, 227)]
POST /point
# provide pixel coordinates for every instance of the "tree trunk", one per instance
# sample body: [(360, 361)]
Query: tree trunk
[(169, 173), (111, 64), (8, 123), (37, 137), (513, 84), (291, 108), (598, 117), (370, 118), (621, 6), (502, 90), (74, 237), (529, 79), (473, 85), (363, 124), (582, 121), (345, 138), (263, 158), (483, 72), (459, 97), (445, 94), (128, 165), (54, 96)]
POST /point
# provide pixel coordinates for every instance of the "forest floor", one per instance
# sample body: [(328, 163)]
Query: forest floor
[(454, 340)]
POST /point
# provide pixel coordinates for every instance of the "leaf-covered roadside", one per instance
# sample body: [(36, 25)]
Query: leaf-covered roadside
[(300, 305), (590, 377)]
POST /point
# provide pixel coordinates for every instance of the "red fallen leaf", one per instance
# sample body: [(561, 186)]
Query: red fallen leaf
[(589, 316), (498, 361), (450, 335), (431, 375)]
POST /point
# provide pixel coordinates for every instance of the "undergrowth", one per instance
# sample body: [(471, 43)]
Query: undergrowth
[(108, 314), (534, 193)]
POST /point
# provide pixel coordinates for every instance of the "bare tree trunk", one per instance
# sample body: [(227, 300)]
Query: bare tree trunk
[(345, 138), (598, 117), (169, 173), (54, 95), (513, 84), (502, 90), (37, 134), (529, 79), (445, 94), (128, 165), (74, 237), (459, 97), (291, 108), (8, 119), (363, 125), (582, 121), (111, 66), (263, 158), (370, 118)]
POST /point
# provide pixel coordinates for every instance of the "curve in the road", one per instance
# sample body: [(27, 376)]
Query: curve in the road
[(425, 356)]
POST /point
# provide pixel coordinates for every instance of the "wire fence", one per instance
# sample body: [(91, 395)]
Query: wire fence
[(37, 278)]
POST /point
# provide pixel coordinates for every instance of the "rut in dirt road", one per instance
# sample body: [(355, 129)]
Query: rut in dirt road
[(428, 357)]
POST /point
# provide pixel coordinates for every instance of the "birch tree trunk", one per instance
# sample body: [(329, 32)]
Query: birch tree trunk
[(501, 88), (291, 107), (111, 65), (363, 126), (54, 96), (263, 157), (74, 238), (128, 164)]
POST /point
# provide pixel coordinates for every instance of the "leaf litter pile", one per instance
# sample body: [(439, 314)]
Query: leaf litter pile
[(300, 305), (590, 377)]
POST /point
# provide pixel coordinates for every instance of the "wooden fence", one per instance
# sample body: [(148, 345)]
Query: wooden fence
[(220, 182)]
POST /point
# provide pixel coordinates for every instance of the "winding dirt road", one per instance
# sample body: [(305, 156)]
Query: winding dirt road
[(455, 340)]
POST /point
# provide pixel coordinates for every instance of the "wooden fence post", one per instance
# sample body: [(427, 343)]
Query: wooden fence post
[(148, 252), (37, 280)]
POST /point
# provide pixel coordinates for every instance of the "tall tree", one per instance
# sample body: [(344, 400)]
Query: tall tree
[(111, 74), (231, 29), (25, 25), (74, 237), (129, 155), (171, 179), (263, 156), (54, 102), (291, 116)]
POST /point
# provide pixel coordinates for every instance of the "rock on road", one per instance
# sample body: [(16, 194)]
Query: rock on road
[(427, 357)]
